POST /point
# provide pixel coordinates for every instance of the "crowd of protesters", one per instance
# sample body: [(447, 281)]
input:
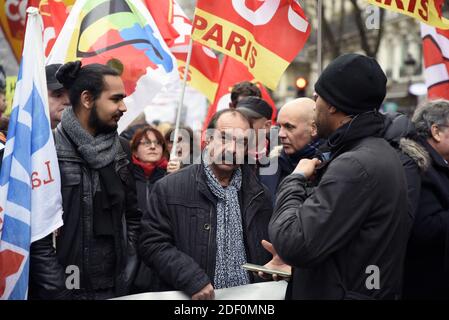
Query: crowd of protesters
[(351, 190)]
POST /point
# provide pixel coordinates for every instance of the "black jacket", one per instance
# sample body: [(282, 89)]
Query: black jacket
[(144, 185), (427, 260), (400, 133), (75, 240), (353, 220), (179, 230)]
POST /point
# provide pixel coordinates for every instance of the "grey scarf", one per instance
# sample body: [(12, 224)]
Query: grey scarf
[(230, 246), (98, 151)]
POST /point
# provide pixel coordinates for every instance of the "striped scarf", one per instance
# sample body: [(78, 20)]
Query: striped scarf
[(230, 246)]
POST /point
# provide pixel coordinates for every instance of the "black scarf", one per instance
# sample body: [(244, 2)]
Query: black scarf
[(108, 202), (368, 124), (288, 163)]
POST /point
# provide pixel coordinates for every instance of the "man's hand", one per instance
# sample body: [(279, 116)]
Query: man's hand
[(207, 293), (307, 167), (275, 263), (173, 166)]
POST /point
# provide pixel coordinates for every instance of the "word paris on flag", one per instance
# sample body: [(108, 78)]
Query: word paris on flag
[(427, 11), (244, 29)]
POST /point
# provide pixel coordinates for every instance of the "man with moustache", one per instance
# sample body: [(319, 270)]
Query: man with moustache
[(346, 239), (101, 219), (206, 220)]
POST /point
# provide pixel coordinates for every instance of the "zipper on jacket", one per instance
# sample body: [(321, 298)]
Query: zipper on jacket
[(208, 241)]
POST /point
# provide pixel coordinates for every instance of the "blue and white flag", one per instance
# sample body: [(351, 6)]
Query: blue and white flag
[(30, 185)]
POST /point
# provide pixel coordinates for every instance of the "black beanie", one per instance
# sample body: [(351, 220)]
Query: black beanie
[(255, 107), (353, 84)]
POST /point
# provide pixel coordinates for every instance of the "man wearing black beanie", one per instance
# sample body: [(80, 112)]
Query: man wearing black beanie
[(347, 238)]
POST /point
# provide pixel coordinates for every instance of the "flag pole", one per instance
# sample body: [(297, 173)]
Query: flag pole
[(181, 100), (320, 37)]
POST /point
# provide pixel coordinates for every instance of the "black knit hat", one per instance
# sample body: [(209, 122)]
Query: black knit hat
[(353, 84), (255, 107)]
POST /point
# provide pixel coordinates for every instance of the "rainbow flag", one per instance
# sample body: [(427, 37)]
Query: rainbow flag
[(123, 35)]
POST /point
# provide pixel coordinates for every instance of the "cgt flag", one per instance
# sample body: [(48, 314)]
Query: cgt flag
[(12, 19), (176, 29), (54, 14), (123, 35), (436, 61), (426, 11), (232, 72), (30, 187), (245, 29)]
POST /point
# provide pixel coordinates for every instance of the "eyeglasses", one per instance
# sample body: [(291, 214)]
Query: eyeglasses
[(148, 143)]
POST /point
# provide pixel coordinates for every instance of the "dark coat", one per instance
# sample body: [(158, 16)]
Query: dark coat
[(178, 237), (354, 219), (144, 185), (427, 260), (75, 242), (400, 133)]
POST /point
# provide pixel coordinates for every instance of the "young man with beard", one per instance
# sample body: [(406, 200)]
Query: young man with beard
[(101, 219), (346, 239), (206, 220)]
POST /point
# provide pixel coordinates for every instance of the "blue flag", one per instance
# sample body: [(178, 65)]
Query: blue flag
[(30, 187)]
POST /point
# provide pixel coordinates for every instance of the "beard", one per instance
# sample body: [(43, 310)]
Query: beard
[(323, 126), (99, 125)]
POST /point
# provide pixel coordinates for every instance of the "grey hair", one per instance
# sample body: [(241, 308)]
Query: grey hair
[(433, 112)]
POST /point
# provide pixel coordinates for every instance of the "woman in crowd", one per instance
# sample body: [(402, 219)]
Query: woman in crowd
[(150, 159)]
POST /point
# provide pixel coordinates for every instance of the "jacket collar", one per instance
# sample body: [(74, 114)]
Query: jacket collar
[(437, 159), (250, 185)]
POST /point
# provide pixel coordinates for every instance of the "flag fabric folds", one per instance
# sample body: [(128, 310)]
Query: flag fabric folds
[(264, 35), (426, 11), (30, 187), (54, 14), (232, 72), (436, 61), (123, 35), (176, 28), (12, 19)]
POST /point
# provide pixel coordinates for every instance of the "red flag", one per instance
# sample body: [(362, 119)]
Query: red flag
[(264, 35), (162, 12), (54, 14), (176, 29), (232, 72), (436, 61)]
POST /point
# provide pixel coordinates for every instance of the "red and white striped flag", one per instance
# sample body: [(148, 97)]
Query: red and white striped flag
[(436, 61)]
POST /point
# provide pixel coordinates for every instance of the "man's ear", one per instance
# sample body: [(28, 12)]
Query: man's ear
[(313, 129), (86, 99), (435, 133), (332, 109)]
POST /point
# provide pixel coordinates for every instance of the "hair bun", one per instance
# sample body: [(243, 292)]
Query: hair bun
[(68, 73)]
